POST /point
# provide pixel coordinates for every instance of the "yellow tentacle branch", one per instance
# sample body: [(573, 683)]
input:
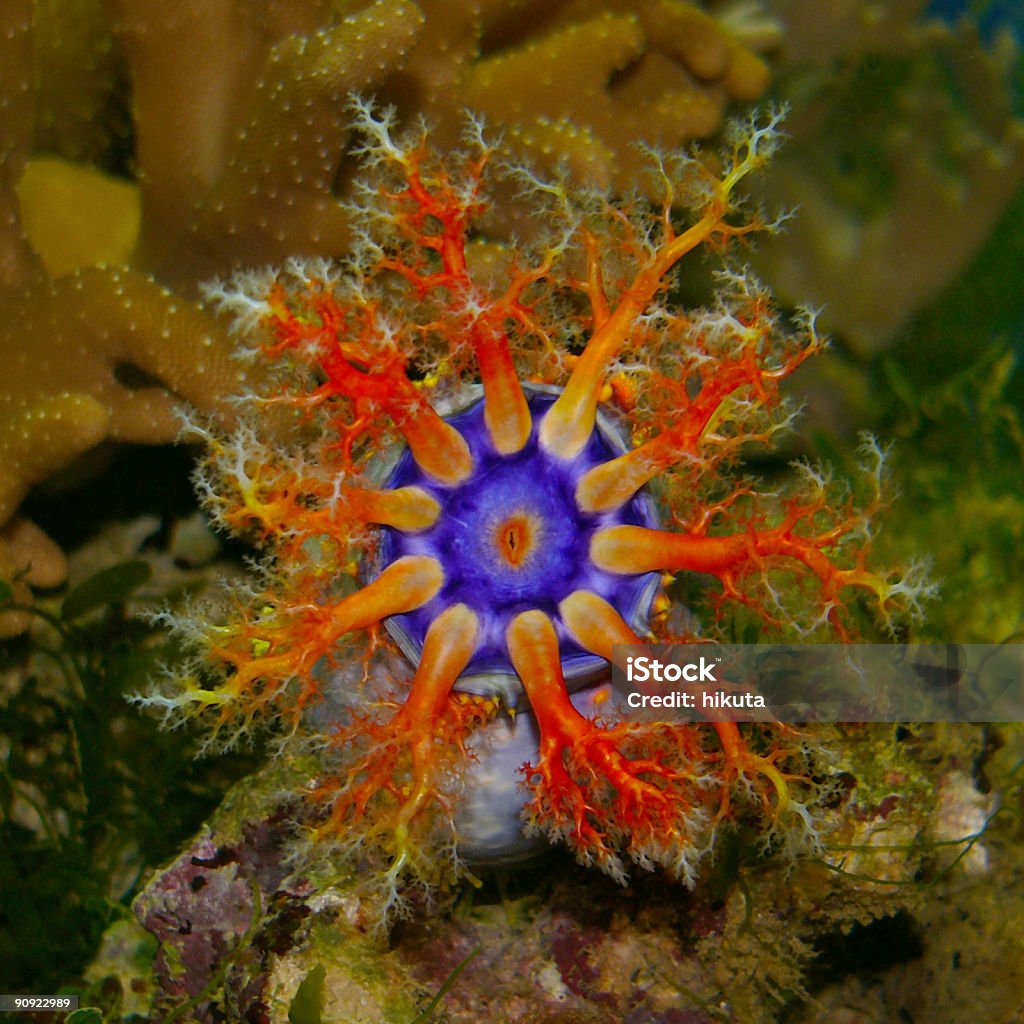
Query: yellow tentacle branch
[(569, 422)]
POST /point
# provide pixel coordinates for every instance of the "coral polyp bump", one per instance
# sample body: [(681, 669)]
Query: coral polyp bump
[(502, 459)]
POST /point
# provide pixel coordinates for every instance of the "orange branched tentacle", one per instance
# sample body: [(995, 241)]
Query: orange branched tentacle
[(600, 309), (436, 201), (391, 792), (585, 786), (612, 483), (404, 585), (353, 350), (635, 549), (265, 655), (570, 420), (449, 644), (309, 507), (405, 508), (533, 648), (743, 764), (438, 448), (506, 413)]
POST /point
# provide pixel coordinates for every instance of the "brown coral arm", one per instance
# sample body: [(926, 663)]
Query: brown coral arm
[(273, 200), (703, 47), (42, 434), (18, 263), (607, 75), (191, 91), (102, 352)]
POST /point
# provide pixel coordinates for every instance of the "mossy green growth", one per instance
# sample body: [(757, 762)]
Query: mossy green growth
[(954, 394), (341, 974), (891, 851), (964, 891), (257, 796), (91, 792), (118, 981), (308, 1002), (85, 1015)]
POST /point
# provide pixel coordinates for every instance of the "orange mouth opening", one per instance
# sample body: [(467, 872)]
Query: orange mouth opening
[(516, 538)]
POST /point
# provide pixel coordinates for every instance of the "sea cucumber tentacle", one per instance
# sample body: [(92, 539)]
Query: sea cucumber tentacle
[(501, 464)]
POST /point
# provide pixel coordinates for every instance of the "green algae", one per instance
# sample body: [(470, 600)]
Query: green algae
[(90, 792), (956, 406), (341, 975)]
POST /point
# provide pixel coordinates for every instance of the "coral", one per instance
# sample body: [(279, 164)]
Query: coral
[(120, 350), (907, 147), (504, 538), (17, 262), (239, 133), (264, 132), (584, 81), (77, 78), (70, 345), (77, 216), (120, 354), (259, 137), (246, 176), (100, 353)]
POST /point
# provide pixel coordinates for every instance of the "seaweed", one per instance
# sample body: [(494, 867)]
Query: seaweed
[(90, 792)]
